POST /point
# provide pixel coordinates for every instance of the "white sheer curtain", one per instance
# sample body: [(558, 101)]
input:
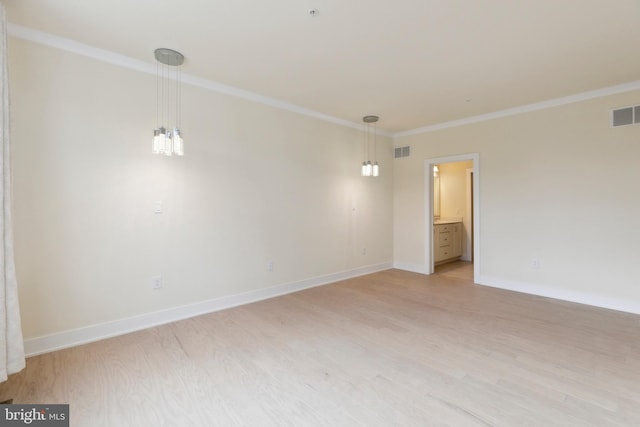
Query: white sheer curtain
[(11, 345)]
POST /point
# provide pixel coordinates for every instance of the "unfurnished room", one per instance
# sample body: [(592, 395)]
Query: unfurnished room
[(320, 213)]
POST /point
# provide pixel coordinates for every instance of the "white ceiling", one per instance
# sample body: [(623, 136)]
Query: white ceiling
[(414, 63)]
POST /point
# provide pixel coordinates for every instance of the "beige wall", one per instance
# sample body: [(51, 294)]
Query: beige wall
[(257, 184), (559, 185)]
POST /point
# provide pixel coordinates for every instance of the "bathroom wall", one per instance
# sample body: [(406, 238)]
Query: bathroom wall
[(453, 193)]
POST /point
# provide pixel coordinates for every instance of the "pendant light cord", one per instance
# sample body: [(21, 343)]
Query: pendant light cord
[(162, 95), (168, 82), (375, 141), (368, 137), (178, 97), (157, 94), (364, 143)]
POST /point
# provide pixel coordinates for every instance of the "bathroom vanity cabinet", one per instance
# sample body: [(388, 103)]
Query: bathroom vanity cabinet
[(447, 241)]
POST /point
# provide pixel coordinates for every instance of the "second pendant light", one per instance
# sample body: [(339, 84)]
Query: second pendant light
[(369, 169)]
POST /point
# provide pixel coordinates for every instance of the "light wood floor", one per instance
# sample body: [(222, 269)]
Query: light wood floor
[(388, 349)]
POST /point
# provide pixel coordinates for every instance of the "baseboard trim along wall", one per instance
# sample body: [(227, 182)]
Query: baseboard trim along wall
[(595, 300), (75, 337), (414, 268)]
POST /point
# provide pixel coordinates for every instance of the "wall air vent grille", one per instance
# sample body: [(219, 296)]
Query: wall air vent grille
[(625, 116), (402, 151)]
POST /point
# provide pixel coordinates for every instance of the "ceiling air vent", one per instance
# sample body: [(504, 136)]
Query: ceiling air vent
[(402, 152), (625, 116)]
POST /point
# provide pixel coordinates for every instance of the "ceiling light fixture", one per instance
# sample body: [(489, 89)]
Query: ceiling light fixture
[(369, 169), (167, 140)]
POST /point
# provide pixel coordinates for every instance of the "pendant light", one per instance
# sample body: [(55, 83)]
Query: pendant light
[(167, 140), (369, 169)]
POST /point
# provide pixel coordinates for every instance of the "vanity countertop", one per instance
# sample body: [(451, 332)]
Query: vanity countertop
[(447, 221)]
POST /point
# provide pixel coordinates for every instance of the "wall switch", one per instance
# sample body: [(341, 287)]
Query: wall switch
[(156, 282), (270, 266), (535, 264), (157, 207), (364, 251)]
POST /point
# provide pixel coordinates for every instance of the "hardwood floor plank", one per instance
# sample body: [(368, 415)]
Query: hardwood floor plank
[(391, 348)]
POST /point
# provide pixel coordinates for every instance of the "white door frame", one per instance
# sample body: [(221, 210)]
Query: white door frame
[(466, 256), (428, 208)]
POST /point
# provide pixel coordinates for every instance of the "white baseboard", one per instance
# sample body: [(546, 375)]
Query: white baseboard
[(414, 268), (596, 300), (72, 338)]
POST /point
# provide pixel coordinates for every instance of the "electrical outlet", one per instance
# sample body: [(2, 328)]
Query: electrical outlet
[(270, 266), (156, 282), (535, 264)]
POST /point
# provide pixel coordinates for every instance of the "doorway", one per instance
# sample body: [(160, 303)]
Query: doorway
[(452, 198)]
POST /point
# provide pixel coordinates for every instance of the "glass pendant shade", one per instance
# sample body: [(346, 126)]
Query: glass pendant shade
[(376, 169), (159, 136), (364, 168), (178, 143), (155, 143), (168, 145)]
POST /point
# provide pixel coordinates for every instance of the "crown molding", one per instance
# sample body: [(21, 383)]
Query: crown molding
[(556, 102), (103, 55)]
